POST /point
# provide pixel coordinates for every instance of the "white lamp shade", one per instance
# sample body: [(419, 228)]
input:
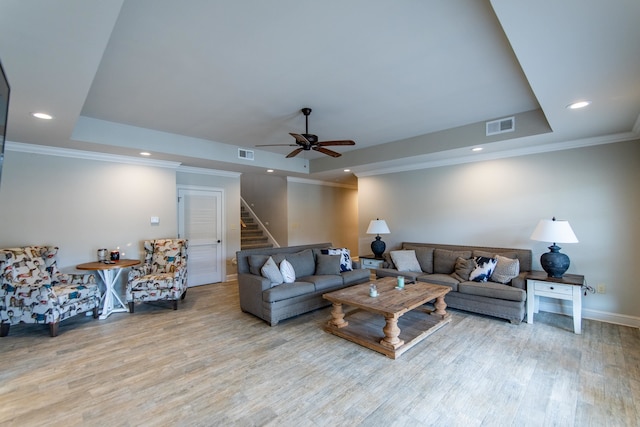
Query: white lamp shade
[(378, 226), (555, 231)]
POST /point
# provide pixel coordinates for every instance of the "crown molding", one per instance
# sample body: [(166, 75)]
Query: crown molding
[(86, 155), (319, 182), (203, 171), (567, 145)]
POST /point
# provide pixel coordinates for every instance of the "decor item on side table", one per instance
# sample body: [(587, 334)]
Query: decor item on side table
[(378, 227), (556, 231)]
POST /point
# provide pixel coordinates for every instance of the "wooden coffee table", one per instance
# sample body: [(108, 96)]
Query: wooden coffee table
[(392, 322)]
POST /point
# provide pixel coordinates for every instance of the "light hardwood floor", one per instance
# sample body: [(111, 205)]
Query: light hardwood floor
[(210, 364)]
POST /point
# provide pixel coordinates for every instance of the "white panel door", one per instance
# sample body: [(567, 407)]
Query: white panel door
[(200, 221)]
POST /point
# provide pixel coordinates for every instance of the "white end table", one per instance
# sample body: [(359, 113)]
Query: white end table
[(109, 274), (568, 287)]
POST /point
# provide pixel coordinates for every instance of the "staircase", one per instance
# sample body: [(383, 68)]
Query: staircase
[(251, 235)]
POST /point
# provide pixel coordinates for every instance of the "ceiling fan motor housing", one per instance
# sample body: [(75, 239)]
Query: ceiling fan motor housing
[(310, 137)]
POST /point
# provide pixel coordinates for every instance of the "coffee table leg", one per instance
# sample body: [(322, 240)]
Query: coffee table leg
[(440, 306), (337, 316), (391, 333)]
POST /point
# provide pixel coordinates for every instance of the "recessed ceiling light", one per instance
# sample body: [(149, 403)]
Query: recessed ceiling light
[(347, 170), (144, 153), (476, 149), (270, 170), (579, 104), (43, 116)]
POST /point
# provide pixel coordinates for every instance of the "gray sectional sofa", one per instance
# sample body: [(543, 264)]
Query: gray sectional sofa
[(440, 264), (316, 274)]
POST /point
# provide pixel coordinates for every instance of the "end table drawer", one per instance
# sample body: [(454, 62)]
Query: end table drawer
[(556, 288), (371, 263)]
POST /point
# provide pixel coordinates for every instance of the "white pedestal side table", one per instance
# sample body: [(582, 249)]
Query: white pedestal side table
[(568, 287), (109, 273)]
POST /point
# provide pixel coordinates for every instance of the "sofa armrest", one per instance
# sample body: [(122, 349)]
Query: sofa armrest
[(356, 265), (250, 288), (519, 281)]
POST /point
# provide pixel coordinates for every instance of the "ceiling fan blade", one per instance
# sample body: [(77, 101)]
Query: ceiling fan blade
[(294, 152), (340, 142), (301, 139), (277, 145), (326, 151)]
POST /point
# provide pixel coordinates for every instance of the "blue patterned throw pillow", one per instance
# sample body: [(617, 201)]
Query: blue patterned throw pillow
[(484, 269), (345, 260)]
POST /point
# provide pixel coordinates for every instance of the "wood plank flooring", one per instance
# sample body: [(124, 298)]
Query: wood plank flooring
[(210, 364)]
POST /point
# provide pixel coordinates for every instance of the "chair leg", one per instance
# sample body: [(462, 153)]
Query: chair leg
[(175, 304), (131, 307), (95, 312), (53, 328), (184, 294), (4, 329)]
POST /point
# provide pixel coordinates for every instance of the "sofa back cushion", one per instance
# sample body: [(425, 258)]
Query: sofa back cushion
[(242, 256), (303, 262), (444, 261), (424, 256)]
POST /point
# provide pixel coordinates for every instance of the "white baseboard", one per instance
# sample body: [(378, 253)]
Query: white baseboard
[(602, 316)]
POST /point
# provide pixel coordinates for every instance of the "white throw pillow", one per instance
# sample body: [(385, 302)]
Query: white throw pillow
[(271, 271), (287, 271), (506, 269), (406, 261)]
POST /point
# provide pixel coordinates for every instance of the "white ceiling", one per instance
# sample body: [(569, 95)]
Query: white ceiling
[(191, 80)]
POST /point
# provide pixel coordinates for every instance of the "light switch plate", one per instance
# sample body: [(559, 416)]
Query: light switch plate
[(155, 220)]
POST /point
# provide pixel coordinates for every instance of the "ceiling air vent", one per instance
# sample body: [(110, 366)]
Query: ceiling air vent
[(507, 124), (245, 154)]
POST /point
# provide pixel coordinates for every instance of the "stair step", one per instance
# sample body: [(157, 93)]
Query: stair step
[(247, 233), (255, 246), (254, 239)]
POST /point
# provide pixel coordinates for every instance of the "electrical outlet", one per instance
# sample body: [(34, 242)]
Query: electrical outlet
[(602, 289)]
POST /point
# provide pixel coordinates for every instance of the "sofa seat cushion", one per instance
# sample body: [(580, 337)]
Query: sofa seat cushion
[(358, 275), (410, 276), (323, 281), (492, 290), (441, 279), (287, 290)]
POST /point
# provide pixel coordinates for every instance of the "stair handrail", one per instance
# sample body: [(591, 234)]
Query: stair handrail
[(270, 238)]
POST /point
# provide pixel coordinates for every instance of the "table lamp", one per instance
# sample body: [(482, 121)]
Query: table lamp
[(378, 226), (556, 231)]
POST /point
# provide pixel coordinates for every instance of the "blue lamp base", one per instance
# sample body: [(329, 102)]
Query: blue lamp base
[(378, 247), (554, 262)]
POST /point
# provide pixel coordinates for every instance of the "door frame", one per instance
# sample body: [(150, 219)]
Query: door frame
[(223, 217)]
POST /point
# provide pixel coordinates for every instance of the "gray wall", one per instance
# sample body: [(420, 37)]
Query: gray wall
[(323, 213), (82, 205), (499, 202)]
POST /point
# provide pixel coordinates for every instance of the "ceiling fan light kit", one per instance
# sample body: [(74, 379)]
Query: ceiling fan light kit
[(307, 141)]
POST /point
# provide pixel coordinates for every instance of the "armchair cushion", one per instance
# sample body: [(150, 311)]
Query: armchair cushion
[(163, 274), (33, 290)]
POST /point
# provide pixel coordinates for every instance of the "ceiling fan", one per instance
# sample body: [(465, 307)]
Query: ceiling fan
[(307, 141)]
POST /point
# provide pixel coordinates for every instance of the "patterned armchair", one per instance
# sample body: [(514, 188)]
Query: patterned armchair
[(163, 274), (33, 290)]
